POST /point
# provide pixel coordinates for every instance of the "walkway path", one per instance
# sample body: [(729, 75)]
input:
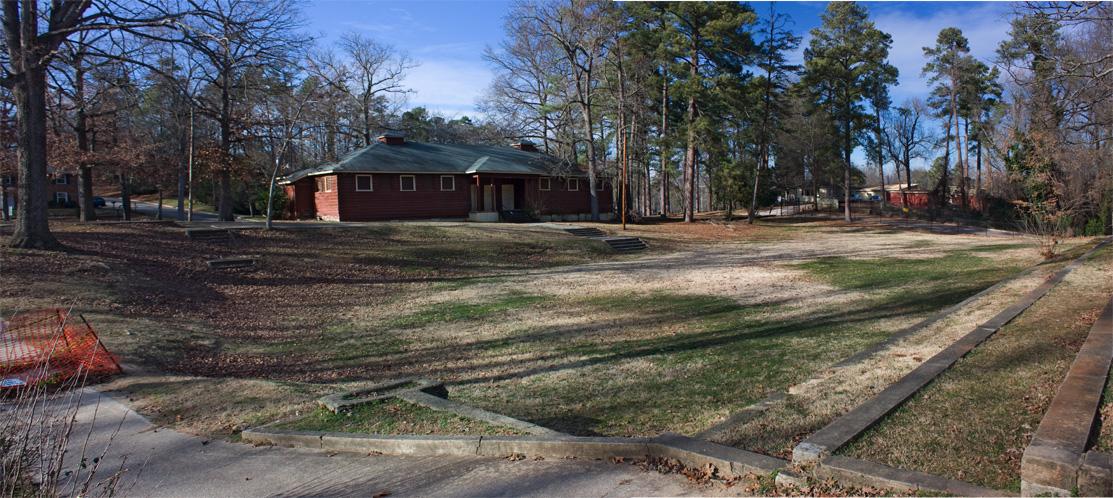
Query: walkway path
[(163, 462)]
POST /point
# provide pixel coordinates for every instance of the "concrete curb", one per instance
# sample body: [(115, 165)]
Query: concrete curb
[(861, 473), (690, 452), (842, 430), (1053, 461)]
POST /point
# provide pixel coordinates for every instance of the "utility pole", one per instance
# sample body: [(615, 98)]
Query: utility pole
[(189, 216), (624, 162)]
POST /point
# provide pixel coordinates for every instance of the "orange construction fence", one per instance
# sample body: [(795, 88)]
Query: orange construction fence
[(50, 345)]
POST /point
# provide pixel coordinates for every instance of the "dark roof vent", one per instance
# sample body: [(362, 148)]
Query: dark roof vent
[(524, 145), (392, 138)]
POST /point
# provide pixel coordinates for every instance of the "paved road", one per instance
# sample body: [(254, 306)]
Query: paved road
[(151, 209), (163, 462)]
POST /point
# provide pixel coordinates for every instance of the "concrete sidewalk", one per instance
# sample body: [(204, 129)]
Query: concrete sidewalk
[(164, 462)]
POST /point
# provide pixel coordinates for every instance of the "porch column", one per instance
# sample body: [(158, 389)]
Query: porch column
[(496, 194)]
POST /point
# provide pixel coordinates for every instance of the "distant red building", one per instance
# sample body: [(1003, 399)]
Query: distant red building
[(916, 198), (922, 199), (399, 179)]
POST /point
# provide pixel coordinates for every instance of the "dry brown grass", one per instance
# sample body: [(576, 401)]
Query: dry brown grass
[(819, 400)]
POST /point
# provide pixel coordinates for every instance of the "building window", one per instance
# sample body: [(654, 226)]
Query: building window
[(573, 184), (62, 179), (599, 184), (325, 183), (61, 198), (448, 183), (7, 180), (407, 183), (363, 183), (544, 183)]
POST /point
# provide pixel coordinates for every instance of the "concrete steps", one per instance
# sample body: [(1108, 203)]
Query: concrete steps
[(208, 234), (626, 244), (586, 232), (231, 263), (516, 216), (619, 244)]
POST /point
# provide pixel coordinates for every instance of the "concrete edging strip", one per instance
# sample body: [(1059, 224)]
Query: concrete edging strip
[(862, 473), (446, 405), (1054, 457), (691, 452), (830, 438)]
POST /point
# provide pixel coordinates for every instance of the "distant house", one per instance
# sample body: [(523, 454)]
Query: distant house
[(399, 179), (61, 190)]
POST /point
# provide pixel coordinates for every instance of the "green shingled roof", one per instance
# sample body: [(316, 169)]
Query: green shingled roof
[(419, 158)]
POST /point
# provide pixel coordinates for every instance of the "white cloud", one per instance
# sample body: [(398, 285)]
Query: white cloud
[(984, 25), (398, 21), (450, 87)]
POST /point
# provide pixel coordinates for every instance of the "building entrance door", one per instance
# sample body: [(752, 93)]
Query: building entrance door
[(507, 196)]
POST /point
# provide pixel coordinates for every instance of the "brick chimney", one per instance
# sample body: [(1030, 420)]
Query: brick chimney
[(392, 138), (524, 145)]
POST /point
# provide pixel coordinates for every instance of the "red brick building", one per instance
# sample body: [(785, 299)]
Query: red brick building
[(398, 179), (61, 190)]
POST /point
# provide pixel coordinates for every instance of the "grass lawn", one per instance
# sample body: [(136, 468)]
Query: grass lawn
[(974, 421), (685, 360), (392, 416)]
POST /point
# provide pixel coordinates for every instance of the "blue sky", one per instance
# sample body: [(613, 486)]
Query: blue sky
[(447, 37)]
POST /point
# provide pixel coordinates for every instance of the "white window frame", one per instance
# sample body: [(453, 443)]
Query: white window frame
[(61, 197), (412, 178), (325, 185), (450, 177), (370, 184), (547, 182), (571, 182), (62, 179)]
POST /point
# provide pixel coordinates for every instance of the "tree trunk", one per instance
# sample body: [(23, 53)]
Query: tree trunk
[(978, 185), (81, 127), (848, 148), (32, 227), (125, 196), (158, 210), (663, 176), (815, 190), (881, 157), (690, 155), (908, 181), (225, 175), (945, 193), (593, 194), (4, 202), (85, 193), (963, 144), (182, 176)]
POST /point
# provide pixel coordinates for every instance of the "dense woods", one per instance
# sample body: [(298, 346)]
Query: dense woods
[(692, 106)]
